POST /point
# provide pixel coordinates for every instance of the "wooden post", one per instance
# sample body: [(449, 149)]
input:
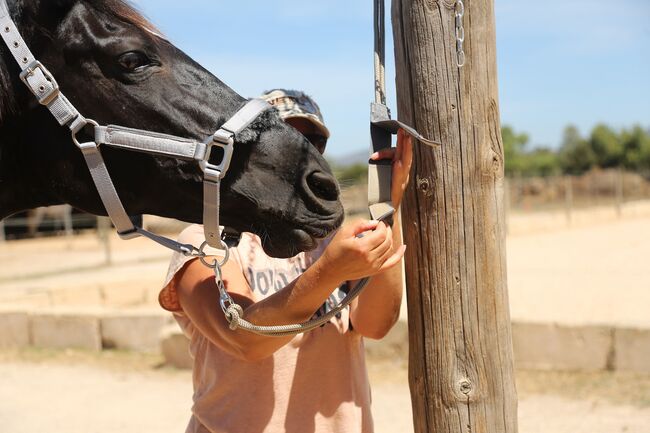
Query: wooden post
[(618, 191), (461, 360), (568, 198)]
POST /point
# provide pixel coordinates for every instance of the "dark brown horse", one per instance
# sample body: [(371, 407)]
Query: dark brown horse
[(116, 68)]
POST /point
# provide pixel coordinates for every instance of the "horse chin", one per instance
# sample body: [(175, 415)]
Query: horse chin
[(289, 245)]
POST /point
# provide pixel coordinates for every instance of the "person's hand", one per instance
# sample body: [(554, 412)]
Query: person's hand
[(351, 257), (402, 158)]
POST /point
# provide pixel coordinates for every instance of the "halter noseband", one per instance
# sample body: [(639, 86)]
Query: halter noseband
[(42, 84)]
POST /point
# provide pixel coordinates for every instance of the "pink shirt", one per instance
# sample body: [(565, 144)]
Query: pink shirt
[(316, 383)]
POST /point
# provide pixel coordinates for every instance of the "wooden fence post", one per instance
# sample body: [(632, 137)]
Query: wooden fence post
[(618, 191), (568, 198), (461, 360)]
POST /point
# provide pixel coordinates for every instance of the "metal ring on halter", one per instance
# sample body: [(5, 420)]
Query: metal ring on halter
[(81, 126), (215, 262)]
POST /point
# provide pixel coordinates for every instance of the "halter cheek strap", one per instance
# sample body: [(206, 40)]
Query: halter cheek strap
[(44, 87)]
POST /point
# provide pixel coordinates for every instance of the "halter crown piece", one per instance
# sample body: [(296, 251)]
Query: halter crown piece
[(42, 84)]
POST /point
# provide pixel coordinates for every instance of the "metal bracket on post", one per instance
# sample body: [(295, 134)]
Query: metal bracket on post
[(380, 172)]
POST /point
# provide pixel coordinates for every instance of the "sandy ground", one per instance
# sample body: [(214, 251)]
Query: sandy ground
[(586, 275), (591, 273), (126, 393)]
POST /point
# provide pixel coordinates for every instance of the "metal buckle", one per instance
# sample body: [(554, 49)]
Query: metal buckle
[(42, 93), (77, 125), (224, 140)]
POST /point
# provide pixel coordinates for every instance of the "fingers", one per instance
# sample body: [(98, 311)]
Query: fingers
[(375, 238), (360, 226), (393, 259), (400, 145), (382, 251), (405, 147), (408, 152), (388, 153)]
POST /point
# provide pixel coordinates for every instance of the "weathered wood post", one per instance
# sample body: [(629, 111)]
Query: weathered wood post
[(461, 360)]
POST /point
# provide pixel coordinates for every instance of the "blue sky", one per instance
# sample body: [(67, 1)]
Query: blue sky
[(560, 62)]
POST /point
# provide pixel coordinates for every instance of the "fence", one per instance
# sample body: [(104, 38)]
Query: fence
[(599, 189), (94, 267)]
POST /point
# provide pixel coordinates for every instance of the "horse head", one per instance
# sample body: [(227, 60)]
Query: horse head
[(116, 68)]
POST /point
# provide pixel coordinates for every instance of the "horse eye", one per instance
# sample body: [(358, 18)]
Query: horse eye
[(133, 61)]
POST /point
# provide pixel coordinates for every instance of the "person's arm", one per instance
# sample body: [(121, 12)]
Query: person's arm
[(347, 257), (378, 306)]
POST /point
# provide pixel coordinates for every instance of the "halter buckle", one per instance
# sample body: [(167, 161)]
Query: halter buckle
[(47, 90), (224, 140)]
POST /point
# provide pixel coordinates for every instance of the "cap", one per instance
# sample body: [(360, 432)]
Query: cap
[(294, 103)]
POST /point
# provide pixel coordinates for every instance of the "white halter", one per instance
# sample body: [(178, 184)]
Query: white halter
[(44, 87)]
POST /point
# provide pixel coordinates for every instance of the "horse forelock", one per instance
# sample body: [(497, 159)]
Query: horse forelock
[(125, 11), (266, 121)]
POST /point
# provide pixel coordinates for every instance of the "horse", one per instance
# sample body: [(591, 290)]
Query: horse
[(117, 68)]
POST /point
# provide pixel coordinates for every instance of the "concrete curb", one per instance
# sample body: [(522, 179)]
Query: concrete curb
[(55, 330), (548, 346), (137, 331), (536, 345), (14, 330), (84, 328)]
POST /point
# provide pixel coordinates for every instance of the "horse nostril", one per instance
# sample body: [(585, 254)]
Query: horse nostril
[(323, 185)]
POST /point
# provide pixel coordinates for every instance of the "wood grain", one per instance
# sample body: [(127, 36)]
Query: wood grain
[(461, 363)]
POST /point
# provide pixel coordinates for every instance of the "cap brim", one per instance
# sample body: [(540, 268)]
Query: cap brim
[(314, 120)]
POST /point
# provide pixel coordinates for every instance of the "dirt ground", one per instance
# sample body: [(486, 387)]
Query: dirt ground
[(113, 392), (595, 274), (590, 273)]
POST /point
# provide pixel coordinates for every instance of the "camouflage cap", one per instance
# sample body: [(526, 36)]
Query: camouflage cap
[(294, 103)]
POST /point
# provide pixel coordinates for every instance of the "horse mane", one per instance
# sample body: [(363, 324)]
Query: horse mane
[(122, 9), (127, 12)]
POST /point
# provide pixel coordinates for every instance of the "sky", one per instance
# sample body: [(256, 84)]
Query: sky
[(559, 62)]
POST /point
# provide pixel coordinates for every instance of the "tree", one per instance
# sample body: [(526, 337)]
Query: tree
[(636, 145), (514, 145), (606, 146), (541, 162), (576, 155)]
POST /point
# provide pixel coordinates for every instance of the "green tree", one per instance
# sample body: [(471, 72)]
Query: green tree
[(576, 155), (514, 146), (636, 145), (351, 174), (607, 146), (541, 162)]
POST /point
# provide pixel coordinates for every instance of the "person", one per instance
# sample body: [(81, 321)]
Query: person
[(312, 382)]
